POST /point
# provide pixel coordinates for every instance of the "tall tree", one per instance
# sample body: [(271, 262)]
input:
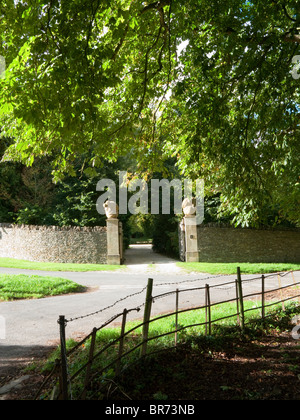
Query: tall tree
[(107, 76), (236, 107)]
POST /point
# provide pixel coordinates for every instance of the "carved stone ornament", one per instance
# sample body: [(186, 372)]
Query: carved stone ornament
[(189, 207), (111, 209)]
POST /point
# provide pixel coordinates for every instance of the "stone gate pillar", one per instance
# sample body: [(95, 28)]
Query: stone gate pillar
[(113, 242), (191, 231), (114, 238), (191, 239)]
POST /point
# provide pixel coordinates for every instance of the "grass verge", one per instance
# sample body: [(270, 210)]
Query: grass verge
[(13, 287), (41, 266), (230, 268)]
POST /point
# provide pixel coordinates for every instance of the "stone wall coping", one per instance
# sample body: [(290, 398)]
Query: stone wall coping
[(262, 228), (54, 228)]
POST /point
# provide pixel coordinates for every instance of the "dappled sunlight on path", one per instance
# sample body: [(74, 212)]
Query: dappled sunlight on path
[(141, 258)]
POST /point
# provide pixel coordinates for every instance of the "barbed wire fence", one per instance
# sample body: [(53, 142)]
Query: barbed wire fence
[(61, 366)]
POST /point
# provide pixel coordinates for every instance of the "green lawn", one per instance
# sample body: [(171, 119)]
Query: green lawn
[(197, 316), (230, 268), (210, 268), (13, 287), (30, 265)]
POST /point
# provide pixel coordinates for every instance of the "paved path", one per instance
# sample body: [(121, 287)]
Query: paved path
[(32, 324), (142, 259)]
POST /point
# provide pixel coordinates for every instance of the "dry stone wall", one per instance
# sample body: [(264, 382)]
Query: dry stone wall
[(84, 245), (228, 244)]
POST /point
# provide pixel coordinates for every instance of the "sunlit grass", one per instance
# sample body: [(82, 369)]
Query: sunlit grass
[(41, 266), (13, 287), (231, 268)]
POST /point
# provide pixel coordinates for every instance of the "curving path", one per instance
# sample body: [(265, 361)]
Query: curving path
[(31, 325)]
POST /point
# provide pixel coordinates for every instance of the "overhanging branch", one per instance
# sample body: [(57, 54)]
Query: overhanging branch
[(292, 38), (286, 13), (156, 5)]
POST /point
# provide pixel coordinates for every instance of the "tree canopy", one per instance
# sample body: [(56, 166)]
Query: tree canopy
[(213, 83)]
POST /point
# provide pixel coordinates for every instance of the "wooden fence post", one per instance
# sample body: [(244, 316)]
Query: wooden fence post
[(241, 301), (176, 315), (263, 297), (207, 310), (121, 345), (237, 303), (292, 272), (147, 313), (64, 365), (281, 294)]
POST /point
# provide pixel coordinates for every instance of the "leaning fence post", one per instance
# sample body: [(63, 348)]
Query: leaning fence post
[(147, 313), (292, 272), (176, 316), (64, 366), (121, 345), (207, 310), (263, 296), (237, 303), (281, 294), (241, 301)]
